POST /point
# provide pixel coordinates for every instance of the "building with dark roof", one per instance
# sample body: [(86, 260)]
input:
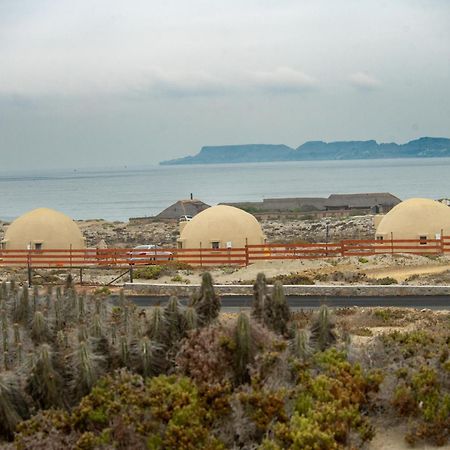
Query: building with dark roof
[(378, 202), (181, 208)]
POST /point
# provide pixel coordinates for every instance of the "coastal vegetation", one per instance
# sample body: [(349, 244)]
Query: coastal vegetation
[(78, 371)]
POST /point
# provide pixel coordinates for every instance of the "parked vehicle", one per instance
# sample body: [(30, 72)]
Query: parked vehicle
[(185, 218), (150, 252)]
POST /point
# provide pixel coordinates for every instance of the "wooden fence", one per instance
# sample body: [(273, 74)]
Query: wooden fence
[(125, 258)]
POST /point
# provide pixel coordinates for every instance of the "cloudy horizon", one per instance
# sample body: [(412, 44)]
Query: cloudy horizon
[(105, 83)]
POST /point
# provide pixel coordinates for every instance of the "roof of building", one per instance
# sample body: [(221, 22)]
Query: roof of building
[(336, 201), (222, 223), (366, 200), (415, 217), (43, 225), (183, 208)]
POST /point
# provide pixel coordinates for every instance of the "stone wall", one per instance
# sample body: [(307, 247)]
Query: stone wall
[(146, 289)]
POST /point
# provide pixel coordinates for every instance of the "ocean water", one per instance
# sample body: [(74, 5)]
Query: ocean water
[(118, 194)]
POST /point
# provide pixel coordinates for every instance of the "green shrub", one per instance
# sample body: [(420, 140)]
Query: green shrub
[(362, 331), (292, 279), (103, 291), (149, 272), (163, 412), (328, 406), (422, 393), (384, 281)]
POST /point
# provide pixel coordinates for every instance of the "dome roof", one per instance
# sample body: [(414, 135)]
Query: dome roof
[(416, 217), (50, 228), (222, 224)]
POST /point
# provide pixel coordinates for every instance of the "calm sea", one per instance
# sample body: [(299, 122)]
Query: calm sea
[(117, 194)]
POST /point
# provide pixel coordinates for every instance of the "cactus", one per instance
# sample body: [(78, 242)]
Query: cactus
[(40, 331), (5, 338), (260, 297), (12, 286), (68, 285), (124, 353), (299, 344), (145, 357), (206, 302), (61, 340), (86, 369), (242, 353), (322, 334), (22, 313), (18, 343), (82, 333), (45, 384), (96, 328), (191, 318), (35, 298), (175, 320), (157, 326), (13, 407), (277, 315), (81, 307)]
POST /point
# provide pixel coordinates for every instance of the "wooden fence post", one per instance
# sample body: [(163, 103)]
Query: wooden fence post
[(342, 248), (246, 252), (30, 273)]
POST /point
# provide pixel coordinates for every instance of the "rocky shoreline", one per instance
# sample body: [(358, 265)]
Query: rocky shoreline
[(101, 233)]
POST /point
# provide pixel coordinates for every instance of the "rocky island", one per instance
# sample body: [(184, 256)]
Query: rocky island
[(425, 147)]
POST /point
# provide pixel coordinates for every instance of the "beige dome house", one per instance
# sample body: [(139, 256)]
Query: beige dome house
[(416, 218), (43, 229), (221, 226)]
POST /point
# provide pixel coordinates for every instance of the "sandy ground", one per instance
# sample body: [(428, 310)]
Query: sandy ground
[(402, 273), (392, 438), (331, 271)]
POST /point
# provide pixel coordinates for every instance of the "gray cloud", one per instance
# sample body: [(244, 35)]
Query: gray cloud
[(144, 81), (364, 81)]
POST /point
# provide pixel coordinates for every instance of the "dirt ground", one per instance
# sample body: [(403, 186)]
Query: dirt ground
[(401, 269), (392, 438), (404, 269)]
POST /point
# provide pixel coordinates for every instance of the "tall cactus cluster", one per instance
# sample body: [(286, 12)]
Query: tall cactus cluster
[(55, 344), (271, 310)]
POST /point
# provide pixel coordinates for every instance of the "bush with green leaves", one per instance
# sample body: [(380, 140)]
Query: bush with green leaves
[(126, 411), (328, 404)]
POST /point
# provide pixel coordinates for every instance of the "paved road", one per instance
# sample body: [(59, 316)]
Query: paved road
[(240, 301)]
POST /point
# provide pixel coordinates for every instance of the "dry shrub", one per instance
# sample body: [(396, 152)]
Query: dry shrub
[(208, 355)]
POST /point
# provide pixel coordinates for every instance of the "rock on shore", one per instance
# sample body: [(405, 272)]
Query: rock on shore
[(126, 234)]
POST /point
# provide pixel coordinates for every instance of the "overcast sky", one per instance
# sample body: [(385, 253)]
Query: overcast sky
[(113, 83)]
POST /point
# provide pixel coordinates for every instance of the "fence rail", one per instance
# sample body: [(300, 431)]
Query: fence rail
[(125, 258)]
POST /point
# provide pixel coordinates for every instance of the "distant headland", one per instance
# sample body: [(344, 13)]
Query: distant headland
[(425, 147)]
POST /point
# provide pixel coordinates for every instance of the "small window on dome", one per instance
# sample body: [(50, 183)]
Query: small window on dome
[(380, 238), (423, 240), (38, 246), (215, 244)]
